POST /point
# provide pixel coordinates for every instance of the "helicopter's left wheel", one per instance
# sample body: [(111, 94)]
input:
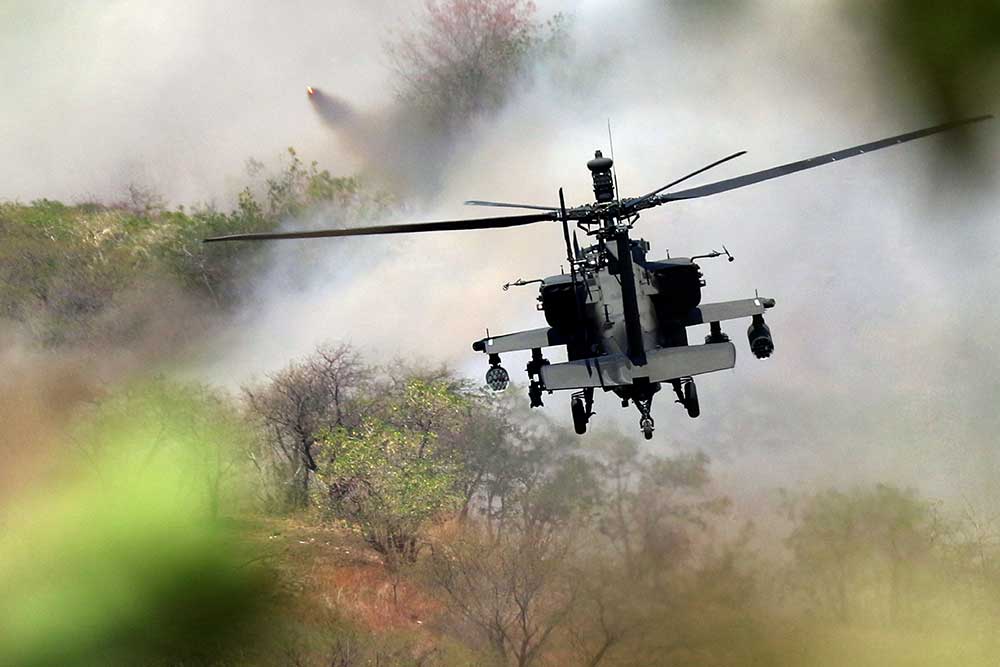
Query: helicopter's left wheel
[(580, 416)]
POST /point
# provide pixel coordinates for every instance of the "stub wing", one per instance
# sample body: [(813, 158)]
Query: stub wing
[(615, 370), (521, 340), (728, 310)]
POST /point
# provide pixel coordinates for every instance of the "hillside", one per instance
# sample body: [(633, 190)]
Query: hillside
[(79, 273)]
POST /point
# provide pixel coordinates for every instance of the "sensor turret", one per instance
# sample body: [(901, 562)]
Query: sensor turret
[(600, 169)]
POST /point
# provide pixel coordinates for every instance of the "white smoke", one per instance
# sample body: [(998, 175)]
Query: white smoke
[(883, 268)]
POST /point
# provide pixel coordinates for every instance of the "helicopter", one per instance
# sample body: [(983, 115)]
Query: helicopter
[(621, 316)]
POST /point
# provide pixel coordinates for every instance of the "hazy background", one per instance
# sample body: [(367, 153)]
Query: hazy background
[(884, 268)]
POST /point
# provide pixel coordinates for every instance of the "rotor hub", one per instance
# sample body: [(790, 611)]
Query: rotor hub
[(600, 170)]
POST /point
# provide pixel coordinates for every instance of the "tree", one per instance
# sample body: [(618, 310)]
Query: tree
[(465, 58), (191, 427), (512, 590), (652, 506), (845, 544), (652, 585), (531, 474), (974, 557), (301, 401), (389, 483), (402, 465)]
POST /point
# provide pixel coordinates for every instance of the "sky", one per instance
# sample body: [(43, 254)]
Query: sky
[(884, 267)]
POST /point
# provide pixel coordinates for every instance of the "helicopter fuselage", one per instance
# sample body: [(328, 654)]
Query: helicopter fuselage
[(666, 292), (623, 320)]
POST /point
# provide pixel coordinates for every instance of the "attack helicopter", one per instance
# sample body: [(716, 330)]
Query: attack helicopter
[(622, 317)]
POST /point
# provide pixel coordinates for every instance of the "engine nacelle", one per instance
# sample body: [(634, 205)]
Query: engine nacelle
[(759, 335)]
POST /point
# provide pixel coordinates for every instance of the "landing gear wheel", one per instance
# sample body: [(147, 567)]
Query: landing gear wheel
[(646, 424), (580, 415), (535, 394), (691, 400), (645, 403)]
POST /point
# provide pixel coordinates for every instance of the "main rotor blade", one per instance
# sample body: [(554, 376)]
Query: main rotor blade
[(500, 204), (809, 163), (637, 203), (442, 226)]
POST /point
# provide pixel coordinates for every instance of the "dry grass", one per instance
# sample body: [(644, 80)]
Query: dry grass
[(329, 567)]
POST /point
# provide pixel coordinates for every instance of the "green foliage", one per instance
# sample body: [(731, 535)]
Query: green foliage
[(114, 562), (388, 483), (508, 539), (861, 550), (948, 51), (76, 273), (298, 188), (431, 406), (60, 267), (187, 427), (390, 477), (294, 407), (543, 548), (211, 272)]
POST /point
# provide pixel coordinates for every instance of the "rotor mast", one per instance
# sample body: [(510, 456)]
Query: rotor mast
[(604, 191)]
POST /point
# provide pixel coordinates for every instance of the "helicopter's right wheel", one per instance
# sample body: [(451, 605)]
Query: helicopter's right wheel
[(580, 416), (691, 400)]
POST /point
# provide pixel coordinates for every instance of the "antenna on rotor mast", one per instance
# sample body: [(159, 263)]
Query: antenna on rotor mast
[(614, 171)]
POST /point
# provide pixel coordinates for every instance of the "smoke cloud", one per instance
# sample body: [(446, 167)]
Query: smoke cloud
[(883, 268)]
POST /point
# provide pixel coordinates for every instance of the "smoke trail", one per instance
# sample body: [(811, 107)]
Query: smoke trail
[(336, 113)]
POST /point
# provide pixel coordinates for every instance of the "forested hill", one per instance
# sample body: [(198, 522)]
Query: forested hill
[(72, 273)]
